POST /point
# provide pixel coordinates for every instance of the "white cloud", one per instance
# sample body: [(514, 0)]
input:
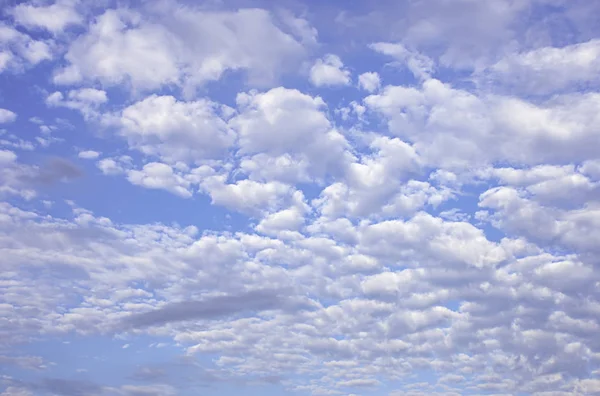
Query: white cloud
[(183, 46), (88, 95), (376, 184), (14, 176), (421, 66), (5, 58), (329, 71), (541, 222), (110, 166), (369, 81), (54, 18), (553, 185), (454, 128), (547, 70), (85, 100), (339, 245), (7, 116), (115, 49), (457, 243), (464, 34), (282, 221), (7, 156), (449, 261), (18, 50), (88, 154), (176, 130), (285, 168), (287, 221), (247, 196), (388, 282), (591, 168), (287, 127), (263, 116), (155, 175)]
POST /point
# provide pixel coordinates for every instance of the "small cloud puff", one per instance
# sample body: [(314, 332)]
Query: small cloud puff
[(329, 71)]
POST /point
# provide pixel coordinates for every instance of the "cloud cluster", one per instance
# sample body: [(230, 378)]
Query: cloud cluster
[(174, 44), (421, 218)]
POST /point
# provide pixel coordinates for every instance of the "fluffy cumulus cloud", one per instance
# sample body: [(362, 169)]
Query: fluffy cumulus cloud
[(7, 116), (285, 134), (18, 50), (174, 44), (329, 71), (159, 176), (54, 17), (453, 127), (369, 81), (176, 130), (547, 70), (220, 200)]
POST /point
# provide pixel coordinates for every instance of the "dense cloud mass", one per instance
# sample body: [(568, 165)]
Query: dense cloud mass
[(226, 198)]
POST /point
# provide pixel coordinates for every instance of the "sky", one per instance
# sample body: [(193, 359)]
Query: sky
[(389, 198)]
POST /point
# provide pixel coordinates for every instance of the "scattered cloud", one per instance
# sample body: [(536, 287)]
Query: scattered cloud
[(155, 175), (547, 70), (86, 100), (329, 71), (7, 116), (54, 18), (285, 135), (176, 130), (88, 154), (19, 51), (421, 66), (402, 201), (369, 81), (178, 44)]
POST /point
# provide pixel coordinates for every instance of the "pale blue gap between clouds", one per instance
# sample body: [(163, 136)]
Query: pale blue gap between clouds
[(396, 199)]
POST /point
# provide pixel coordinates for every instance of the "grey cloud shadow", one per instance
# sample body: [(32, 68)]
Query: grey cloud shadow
[(217, 307), (54, 170)]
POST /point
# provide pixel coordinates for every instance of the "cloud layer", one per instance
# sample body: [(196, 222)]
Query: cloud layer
[(229, 200)]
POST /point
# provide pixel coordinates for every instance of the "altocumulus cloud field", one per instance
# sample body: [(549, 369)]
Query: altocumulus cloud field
[(392, 198)]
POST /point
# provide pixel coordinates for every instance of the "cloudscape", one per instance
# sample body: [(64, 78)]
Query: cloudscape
[(250, 197)]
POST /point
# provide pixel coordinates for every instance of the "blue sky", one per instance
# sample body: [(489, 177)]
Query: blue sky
[(392, 198)]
